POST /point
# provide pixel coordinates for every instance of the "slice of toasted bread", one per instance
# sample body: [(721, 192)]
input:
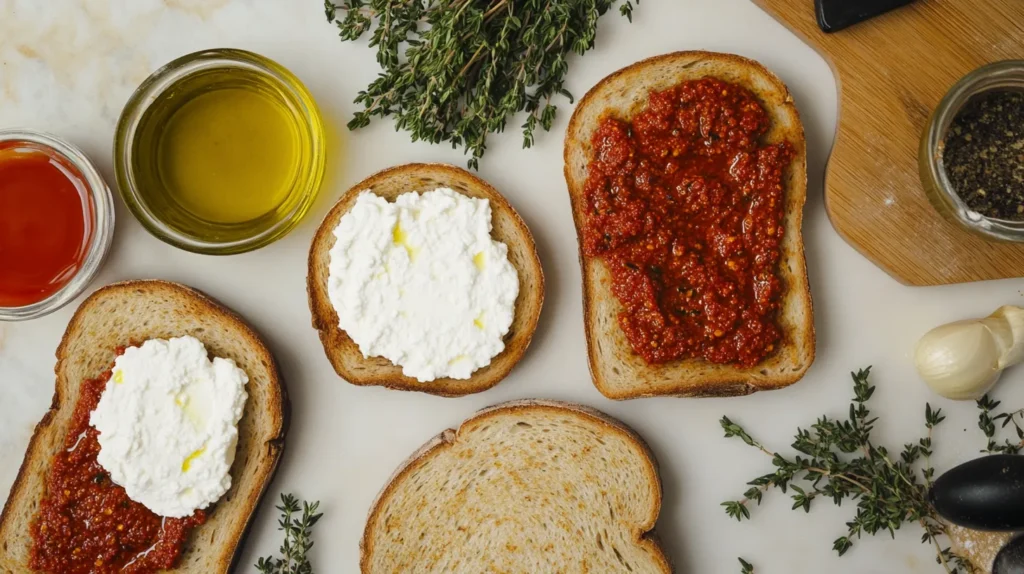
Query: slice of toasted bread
[(507, 227), (130, 313), (619, 372), (525, 486)]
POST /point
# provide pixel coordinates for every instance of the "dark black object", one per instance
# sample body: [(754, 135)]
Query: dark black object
[(834, 15), (984, 494), (1010, 559)]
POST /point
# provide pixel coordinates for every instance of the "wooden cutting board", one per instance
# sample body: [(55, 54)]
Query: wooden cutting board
[(891, 72)]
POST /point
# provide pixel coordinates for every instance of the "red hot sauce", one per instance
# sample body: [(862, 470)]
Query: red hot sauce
[(685, 206), (46, 224), (86, 523)]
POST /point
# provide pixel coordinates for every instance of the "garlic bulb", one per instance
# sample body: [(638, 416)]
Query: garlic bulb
[(963, 360)]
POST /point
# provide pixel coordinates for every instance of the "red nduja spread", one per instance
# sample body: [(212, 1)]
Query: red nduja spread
[(685, 204), (86, 523)]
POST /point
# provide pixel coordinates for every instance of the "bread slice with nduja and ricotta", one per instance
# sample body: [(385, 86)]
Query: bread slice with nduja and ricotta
[(619, 372), (526, 486), (507, 227), (130, 313)]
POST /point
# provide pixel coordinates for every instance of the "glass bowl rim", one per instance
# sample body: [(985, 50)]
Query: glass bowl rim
[(154, 86)]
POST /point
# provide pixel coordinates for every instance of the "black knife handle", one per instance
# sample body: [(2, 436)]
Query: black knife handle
[(834, 15)]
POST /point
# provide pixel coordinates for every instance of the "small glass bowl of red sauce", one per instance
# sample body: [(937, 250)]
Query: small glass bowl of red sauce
[(56, 223)]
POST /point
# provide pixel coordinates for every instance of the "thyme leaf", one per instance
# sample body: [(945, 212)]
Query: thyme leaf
[(987, 420)]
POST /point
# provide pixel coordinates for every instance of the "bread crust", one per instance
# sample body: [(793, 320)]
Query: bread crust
[(646, 535), (258, 452), (617, 371), (508, 227)]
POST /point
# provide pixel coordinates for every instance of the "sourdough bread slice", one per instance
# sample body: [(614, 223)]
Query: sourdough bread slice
[(620, 373), (507, 227), (521, 487), (133, 312)]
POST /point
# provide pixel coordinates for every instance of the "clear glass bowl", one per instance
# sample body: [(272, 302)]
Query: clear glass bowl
[(102, 221), (1003, 75), (177, 226)]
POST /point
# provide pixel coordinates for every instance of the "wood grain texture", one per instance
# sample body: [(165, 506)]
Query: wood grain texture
[(891, 72)]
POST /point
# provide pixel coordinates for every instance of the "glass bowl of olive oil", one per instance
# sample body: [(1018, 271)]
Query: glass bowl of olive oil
[(220, 152)]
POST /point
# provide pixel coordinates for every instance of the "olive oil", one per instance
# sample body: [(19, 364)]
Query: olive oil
[(229, 155), (225, 154)]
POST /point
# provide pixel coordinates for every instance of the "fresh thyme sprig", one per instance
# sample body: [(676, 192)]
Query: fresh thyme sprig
[(987, 420), (837, 460), (747, 567), (297, 538), (468, 65)]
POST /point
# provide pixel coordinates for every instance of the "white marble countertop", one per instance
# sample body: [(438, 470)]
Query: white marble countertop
[(68, 66)]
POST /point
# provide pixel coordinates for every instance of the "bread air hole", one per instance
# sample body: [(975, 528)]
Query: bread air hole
[(618, 556)]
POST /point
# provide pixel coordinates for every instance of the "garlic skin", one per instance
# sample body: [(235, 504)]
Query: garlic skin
[(964, 360)]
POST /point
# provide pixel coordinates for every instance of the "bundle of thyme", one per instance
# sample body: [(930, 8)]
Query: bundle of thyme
[(297, 538), (839, 461), (466, 65)]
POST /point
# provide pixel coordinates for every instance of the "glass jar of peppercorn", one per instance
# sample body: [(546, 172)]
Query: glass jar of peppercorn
[(972, 152)]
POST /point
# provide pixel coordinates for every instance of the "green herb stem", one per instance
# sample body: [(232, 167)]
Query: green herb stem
[(837, 459), (297, 538)]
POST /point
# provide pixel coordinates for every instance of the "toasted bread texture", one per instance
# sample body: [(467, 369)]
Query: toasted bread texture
[(522, 487), (130, 313), (980, 548), (507, 227), (620, 373)]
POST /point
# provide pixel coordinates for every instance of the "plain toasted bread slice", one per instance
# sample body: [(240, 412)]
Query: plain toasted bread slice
[(130, 313), (507, 227), (523, 487), (620, 373)]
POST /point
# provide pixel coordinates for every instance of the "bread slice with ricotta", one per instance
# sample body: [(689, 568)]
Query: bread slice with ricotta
[(507, 227), (526, 486), (620, 373), (129, 313)]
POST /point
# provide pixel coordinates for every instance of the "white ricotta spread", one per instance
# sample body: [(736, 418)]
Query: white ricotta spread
[(168, 424), (421, 282)]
